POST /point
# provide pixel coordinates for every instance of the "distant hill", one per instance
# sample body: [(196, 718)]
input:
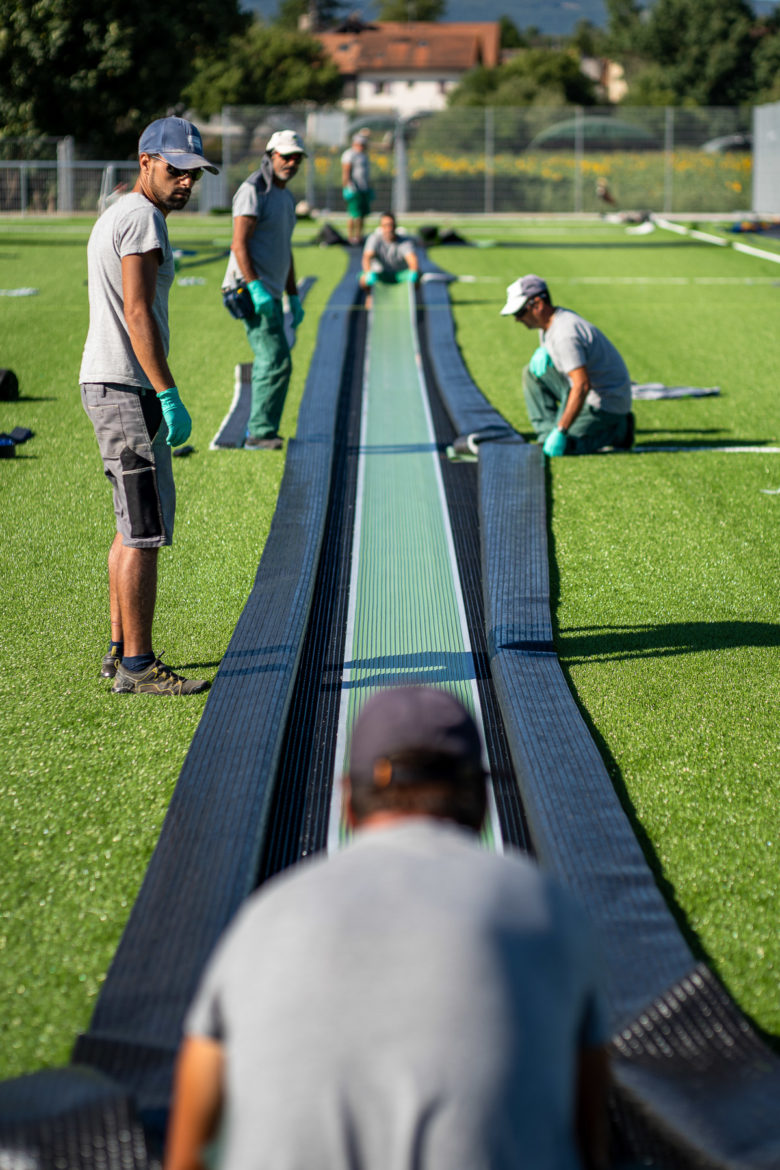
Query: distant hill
[(552, 17)]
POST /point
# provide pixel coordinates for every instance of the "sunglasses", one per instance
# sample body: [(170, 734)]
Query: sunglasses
[(175, 173)]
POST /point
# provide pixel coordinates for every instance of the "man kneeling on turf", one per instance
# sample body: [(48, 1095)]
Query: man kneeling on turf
[(388, 255), (576, 385)]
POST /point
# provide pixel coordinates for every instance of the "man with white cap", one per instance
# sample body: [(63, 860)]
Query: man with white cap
[(130, 394), (576, 386), (261, 258), (356, 185), (415, 1002)]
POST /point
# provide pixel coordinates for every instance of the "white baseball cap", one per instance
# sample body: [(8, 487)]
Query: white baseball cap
[(521, 291), (285, 142)]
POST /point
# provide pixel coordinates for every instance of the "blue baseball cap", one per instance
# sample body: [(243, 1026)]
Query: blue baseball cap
[(178, 142)]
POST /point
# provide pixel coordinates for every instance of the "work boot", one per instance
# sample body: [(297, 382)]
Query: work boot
[(157, 679), (272, 443), (109, 664)]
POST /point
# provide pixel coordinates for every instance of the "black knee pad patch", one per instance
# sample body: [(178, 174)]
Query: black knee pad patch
[(143, 502)]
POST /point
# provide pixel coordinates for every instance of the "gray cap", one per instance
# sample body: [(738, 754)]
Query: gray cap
[(522, 290), (412, 719), (178, 142)]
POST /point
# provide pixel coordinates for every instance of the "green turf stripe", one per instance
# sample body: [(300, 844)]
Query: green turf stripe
[(406, 614)]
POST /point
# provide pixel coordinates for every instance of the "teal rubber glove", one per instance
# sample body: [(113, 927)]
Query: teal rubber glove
[(347, 192), (176, 416), (296, 308), (555, 443), (261, 299), (540, 362), (369, 279), (407, 276)]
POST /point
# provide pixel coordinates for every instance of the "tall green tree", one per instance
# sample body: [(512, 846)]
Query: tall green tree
[(101, 71), (403, 10), (704, 48), (268, 66), (532, 77)]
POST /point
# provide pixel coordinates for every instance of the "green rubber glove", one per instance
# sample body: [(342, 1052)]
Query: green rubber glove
[(407, 276), (540, 362), (261, 299), (555, 443), (369, 278), (176, 416), (296, 308)]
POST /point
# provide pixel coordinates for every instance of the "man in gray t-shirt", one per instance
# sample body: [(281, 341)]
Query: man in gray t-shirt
[(576, 385), (129, 393), (416, 1002), (261, 259), (356, 185), (389, 255)]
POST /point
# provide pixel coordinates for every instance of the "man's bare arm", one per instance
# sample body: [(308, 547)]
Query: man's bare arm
[(579, 385), (243, 230), (198, 1095), (591, 1119), (139, 282)]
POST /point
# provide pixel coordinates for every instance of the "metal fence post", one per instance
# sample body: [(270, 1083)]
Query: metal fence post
[(490, 147), (23, 189), (668, 159), (65, 174), (401, 178), (579, 147)]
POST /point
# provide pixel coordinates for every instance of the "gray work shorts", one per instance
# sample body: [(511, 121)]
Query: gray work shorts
[(132, 437)]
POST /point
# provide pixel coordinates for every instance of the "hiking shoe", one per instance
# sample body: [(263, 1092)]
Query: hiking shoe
[(157, 679), (272, 443), (109, 664)]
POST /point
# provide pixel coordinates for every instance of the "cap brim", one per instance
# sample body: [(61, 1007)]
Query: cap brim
[(511, 308), (292, 150), (188, 162)]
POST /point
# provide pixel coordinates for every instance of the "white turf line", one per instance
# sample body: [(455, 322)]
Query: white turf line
[(737, 245), (213, 446), (742, 450)]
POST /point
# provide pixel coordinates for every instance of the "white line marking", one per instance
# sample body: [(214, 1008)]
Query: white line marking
[(713, 450)]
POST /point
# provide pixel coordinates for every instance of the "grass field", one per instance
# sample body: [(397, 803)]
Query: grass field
[(665, 569)]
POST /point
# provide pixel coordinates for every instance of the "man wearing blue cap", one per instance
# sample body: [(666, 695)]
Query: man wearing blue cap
[(576, 385), (130, 394), (416, 1002)]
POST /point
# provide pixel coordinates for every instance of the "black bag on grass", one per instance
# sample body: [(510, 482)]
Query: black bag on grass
[(9, 386)]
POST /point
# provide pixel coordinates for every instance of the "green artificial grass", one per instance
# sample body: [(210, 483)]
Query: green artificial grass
[(664, 570), (88, 775), (665, 565)]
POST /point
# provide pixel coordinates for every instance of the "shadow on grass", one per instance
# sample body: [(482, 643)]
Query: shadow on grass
[(622, 643), (616, 643)]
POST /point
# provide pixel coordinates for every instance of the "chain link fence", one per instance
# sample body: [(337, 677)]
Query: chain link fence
[(452, 162)]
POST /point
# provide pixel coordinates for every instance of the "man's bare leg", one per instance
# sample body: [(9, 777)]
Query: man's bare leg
[(133, 590)]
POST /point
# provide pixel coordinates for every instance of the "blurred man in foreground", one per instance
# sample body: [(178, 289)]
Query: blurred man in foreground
[(414, 1002)]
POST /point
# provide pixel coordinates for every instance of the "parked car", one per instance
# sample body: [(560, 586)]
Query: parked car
[(728, 142)]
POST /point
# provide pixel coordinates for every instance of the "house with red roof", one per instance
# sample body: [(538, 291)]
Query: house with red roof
[(408, 67)]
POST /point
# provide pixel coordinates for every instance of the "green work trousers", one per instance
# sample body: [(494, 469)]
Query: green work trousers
[(545, 399), (271, 371)]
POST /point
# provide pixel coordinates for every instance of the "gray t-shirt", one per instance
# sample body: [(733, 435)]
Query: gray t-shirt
[(358, 168), (572, 342), (414, 1002), (131, 226), (270, 244), (389, 257)]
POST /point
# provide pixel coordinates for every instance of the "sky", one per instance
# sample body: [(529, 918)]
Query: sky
[(553, 17)]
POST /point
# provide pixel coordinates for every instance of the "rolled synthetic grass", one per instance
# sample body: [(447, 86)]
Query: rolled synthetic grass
[(664, 572)]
